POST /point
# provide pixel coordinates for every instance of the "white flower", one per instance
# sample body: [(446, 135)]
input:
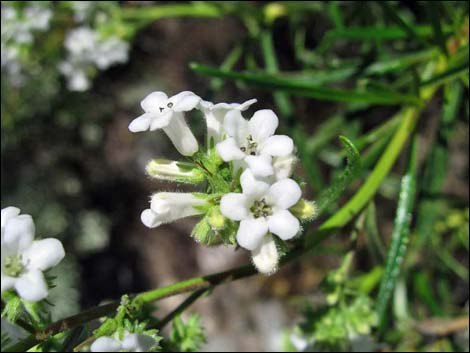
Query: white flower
[(77, 78), (214, 115), (166, 207), (262, 209), (81, 42), (86, 50), (266, 257), (254, 141), (24, 259), (131, 342), (166, 113), (284, 166)]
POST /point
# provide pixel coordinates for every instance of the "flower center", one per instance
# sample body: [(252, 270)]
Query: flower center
[(13, 266), (251, 146), (261, 208), (169, 105)]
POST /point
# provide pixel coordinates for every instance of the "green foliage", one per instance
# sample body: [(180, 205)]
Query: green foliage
[(400, 235), (186, 336)]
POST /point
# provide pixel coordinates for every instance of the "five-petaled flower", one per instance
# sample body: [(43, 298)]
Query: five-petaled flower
[(24, 259), (166, 113), (262, 209), (254, 141)]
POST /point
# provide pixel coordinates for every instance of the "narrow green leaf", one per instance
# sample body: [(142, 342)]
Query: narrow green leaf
[(373, 33), (153, 13), (274, 82), (433, 8), (450, 74), (400, 235), (395, 17), (339, 185), (399, 62)]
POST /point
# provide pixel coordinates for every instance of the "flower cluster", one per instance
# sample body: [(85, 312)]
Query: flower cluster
[(18, 28), (250, 199), (24, 259), (88, 50)]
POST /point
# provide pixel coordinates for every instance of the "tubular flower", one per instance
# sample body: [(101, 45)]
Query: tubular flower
[(214, 115), (166, 207), (166, 113), (24, 259), (254, 141)]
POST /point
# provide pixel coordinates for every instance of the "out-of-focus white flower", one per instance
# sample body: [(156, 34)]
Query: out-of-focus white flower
[(87, 50), (254, 141), (262, 209), (24, 259), (166, 113), (77, 78), (18, 29), (166, 207), (82, 9), (214, 115), (131, 342)]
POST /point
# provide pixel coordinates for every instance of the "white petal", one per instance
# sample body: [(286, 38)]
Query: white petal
[(247, 104), (283, 224), (284, 166), (154, 101), (251, 232), (150, 219), (261, 166), (235, 126), (181, 135), (137, 343), (284, 193), (161, 121), (266, 257), (278, 145), (229, 150), (19, 231), (7, 282), (141, 123), (234, 206), (184, 101), (252, 188), (263, 124), (170, 206), (105, 344), (8, 213), (44, 254), (32, 286)]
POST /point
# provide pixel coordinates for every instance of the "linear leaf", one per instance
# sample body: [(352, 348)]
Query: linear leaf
[(274, 82), (400, 235)]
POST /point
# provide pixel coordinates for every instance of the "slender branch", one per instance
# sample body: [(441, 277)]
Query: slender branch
[(180, 308)]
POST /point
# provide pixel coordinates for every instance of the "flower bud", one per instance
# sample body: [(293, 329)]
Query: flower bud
[(180, 172), (166, 207), (304, 210), (266, 256), (216, 219)]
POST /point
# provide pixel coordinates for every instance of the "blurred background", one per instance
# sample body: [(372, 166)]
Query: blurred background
[(74, 73)]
